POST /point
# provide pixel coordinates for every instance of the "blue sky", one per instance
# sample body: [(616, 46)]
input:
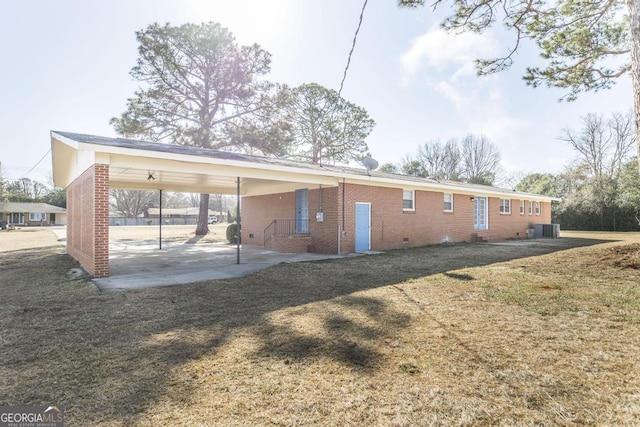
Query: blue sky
[(66, 67)]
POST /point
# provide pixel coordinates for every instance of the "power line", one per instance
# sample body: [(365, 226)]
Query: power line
[(34, 166), (353, 46)]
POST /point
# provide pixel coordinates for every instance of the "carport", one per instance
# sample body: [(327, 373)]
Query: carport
[(89, 166)]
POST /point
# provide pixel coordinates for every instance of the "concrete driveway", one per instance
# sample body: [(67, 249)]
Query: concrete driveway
[(141, 264)]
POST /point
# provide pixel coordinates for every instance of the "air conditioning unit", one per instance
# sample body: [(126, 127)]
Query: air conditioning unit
[(551, 231)]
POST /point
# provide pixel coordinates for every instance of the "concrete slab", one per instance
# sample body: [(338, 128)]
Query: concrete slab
[(141, 264), (60, 231)]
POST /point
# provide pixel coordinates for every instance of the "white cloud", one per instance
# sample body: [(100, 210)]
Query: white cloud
[(445, 63), (447, 51)]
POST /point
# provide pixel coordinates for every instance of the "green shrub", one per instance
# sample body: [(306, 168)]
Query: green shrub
[(232, 233)]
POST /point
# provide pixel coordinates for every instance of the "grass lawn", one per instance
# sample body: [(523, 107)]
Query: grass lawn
[(463, 334)]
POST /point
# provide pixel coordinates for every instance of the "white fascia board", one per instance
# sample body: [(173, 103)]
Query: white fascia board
[(71, 158), (193, 159), (69, 161), (70, 142)]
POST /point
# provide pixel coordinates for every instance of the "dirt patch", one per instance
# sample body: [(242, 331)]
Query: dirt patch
[(627, 256)]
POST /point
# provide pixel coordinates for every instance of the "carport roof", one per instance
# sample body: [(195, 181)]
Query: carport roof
[(178, 149), (145, 165), (192, 169)]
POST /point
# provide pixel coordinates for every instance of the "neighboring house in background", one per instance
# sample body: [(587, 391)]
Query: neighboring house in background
[(26, 213)]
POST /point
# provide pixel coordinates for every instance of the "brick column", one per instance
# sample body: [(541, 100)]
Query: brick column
[(101, 221), (88, 220)]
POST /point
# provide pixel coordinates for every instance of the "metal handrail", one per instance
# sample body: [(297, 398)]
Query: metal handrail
[(268, 232), (286, 227)]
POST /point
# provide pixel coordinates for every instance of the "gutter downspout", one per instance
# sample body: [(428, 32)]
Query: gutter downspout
[(160, 240), (239, 221)]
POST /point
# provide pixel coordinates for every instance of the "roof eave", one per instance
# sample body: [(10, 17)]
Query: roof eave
[(330, 175)]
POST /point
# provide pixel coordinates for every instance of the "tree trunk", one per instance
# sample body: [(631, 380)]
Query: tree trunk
[(634, 37), (203, 216)]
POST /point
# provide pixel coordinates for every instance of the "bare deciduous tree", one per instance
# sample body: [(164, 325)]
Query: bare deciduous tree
[(480, 159), (473, 159), (603, 147), (441, 161), (602, 144), (28, 188), (131, 203)]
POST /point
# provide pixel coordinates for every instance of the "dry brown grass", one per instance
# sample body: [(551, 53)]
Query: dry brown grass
[(217, 233), (27, 238), (444, 335)]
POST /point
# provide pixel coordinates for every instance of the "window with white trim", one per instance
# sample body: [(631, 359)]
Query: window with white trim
[(530, 207), (521, 207), (408, 200), (37, 216), (505, 206), (537, 208), (448, 202)]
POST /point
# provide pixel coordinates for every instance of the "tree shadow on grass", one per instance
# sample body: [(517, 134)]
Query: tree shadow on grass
[(110, 357), (348, 340), (458, 276)]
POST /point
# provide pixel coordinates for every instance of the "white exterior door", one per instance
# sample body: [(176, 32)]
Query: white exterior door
[(363, 227), (480, 214), (302, 211)]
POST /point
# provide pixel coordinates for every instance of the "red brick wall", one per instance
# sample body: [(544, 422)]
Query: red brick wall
[(391, 227), (259, 211), (88, 220), (324, 235), (394, 228), (289, 244), (513, 225)]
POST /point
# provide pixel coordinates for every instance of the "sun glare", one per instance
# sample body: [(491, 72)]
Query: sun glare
[(251, 21)]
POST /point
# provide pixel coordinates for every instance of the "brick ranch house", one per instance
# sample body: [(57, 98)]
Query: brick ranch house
[(32, 213), (388, 212), (286, 206)]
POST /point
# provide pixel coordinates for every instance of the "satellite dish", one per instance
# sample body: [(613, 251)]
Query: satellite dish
[(370, 163)]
